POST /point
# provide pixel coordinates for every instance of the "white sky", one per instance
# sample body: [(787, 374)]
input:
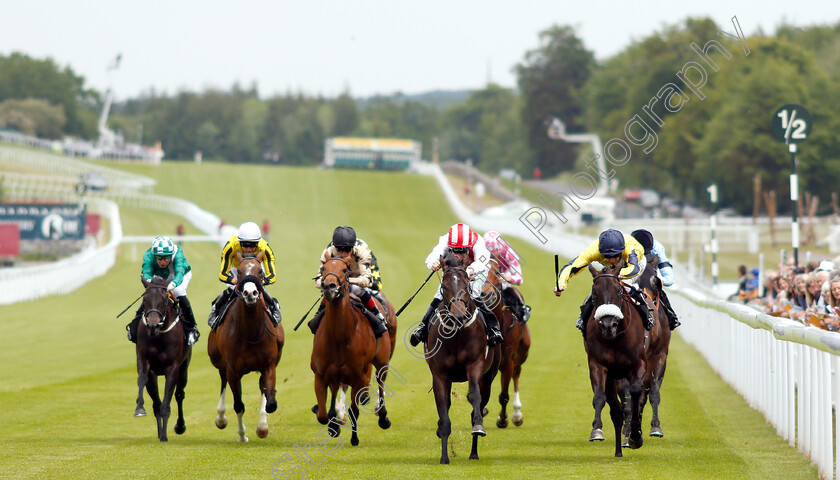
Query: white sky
[(324, 46)]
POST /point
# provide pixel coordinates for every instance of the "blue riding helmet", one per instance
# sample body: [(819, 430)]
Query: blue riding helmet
[(611, 243)]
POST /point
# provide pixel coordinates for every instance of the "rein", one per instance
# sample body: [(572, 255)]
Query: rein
[(622, 295), (162, 315), (343, 285)]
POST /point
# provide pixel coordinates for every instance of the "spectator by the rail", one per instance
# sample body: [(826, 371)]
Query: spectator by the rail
[(832, 319)]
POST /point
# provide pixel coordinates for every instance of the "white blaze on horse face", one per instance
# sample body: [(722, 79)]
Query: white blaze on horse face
[(250, 294), (608, 309)]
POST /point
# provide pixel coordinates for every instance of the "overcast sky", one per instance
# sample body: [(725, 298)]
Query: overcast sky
[(325, 46)]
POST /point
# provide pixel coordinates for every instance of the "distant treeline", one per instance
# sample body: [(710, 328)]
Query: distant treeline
[(679, 109)]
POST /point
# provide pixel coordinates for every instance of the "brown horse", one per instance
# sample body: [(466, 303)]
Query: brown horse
[(247, 341), (515, 347), (614, 342), (161, 350), (457, 351), (343, 350), (656, 351)]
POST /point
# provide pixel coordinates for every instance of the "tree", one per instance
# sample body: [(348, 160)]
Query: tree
[(346, 115), (551, 79), (33, 117)]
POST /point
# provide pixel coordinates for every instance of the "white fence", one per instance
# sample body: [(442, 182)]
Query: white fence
[(785, 370)]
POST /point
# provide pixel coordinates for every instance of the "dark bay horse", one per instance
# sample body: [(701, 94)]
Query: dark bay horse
[(247, 341), (344, 350), (515, 347), (457, 351), (656, 350), (161, 350), (614, 342)]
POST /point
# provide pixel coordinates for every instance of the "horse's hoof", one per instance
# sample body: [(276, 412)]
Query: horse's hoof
[(597, 435), (243, 439), (364, 399), (501, 422), (354, 440), (444, 461), (656, 432), (334, 430), (262, 432), (221, 423), (384, 423), (479, 430), (474, 456), (485, 412), (517, 419), (636, 443), (315, 409), (180, 428), (625, 443), (140, 412), (271, 407)]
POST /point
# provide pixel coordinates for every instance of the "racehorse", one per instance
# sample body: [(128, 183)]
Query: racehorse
[(656, 351), (515, 346), (343, 350), (457, 351), (161, 350), (614, 343), (245, 341)]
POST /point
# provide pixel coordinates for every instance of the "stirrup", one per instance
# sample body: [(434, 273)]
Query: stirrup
[(416, 336)]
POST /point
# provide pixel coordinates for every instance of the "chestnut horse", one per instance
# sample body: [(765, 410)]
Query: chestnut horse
[(457, 351), (161, 350), (247, 341), (343, 350), (515, 346), (615, 343)]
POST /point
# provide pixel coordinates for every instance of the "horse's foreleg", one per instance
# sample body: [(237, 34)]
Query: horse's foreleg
[(142, 379), (443, 390), (221, 419), (504, 396), (598, 378), (521, 356), (341, 405), (335, 424), (170, 383), (655, 398), (616, 411), (474, 374), (353, 413), (180, 394), (320, 408), (262, 425), (267, 386), (381, 375), (636, 389), (238, 405)]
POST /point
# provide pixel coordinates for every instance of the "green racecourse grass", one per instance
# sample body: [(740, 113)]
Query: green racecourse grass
[(68, 382)]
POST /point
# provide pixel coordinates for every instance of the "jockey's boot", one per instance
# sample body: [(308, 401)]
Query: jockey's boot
[(377, 321), (422, 331), (673, 321), (494, 336), (643, 306), (316, 320), (218, 304), (132, 325), (585, 313), (190, 328), (273, 308)]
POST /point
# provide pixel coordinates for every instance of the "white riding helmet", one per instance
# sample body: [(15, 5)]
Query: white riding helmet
[(249, 232)]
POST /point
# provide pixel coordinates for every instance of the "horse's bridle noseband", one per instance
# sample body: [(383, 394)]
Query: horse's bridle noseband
[(162, 315), (622, 294), (343, 285)]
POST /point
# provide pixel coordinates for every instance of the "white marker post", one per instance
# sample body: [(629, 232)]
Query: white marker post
[(713, 194)]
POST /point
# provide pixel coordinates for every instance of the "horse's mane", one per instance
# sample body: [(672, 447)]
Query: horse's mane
[(248, 255), (157, 281)]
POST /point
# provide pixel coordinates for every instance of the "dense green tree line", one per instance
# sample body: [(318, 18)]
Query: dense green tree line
[(684, 128)]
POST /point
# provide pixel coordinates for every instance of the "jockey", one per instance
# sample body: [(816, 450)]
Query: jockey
[(248, 240), (461, 240), (511, 272), (163, 259), (664, 268), (362, 282), (611, 247)]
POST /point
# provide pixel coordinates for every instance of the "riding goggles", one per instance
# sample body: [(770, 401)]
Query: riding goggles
[(248, 244), (460, 250), (344, 249), (163, 257)]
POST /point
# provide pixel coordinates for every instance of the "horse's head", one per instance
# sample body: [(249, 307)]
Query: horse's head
[(456, 286), (249, 277), (155, 303), (607, 295), (334, 278)]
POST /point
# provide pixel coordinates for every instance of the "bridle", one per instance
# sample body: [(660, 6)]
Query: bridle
[(162, 315), (622, 296), (343, 285), (462, 296)]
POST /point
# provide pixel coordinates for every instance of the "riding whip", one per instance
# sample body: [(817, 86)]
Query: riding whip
[(307, 312), (415, 293), (132, 303), (556, 272)]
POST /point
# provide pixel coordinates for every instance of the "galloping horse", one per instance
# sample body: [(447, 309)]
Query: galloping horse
[(656, 351), (457, 351), (161, 350), (343, 350), (614, 342), (247, 341), (514, 348)]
